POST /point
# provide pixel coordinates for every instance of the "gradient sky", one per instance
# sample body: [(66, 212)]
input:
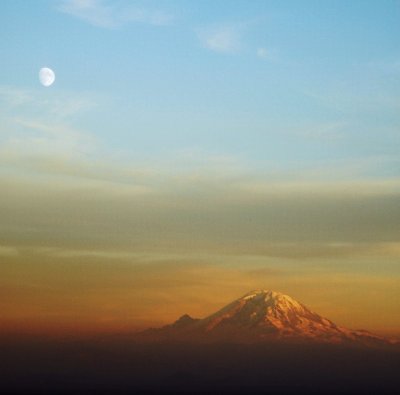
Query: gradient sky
[(189, 152)]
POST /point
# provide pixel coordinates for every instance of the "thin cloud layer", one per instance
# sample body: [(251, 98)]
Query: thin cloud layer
[(36, 103), (174, 210), (107, 15), (57, 289)]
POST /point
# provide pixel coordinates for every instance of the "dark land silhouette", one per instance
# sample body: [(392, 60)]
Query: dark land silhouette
[(113, 365)]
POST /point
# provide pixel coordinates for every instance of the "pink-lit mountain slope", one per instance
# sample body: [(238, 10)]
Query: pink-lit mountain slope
[(262, 316)]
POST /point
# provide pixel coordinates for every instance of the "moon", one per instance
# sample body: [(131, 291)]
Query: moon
[(46, 76)]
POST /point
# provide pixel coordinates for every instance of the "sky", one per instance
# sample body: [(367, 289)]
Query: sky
[(189, 152)]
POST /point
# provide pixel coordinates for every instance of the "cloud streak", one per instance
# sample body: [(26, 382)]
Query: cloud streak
[(175, 211), (222, 39), (35, 103), (107, 15)]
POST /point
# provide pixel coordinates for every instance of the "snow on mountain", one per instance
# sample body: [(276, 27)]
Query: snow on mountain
[(263, 315), (267, 312)]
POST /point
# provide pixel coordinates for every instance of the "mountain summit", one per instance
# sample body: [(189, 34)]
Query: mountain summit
[(259, 316), (269, 312)]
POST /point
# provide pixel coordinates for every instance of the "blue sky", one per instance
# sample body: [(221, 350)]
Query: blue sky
[(272, 84)]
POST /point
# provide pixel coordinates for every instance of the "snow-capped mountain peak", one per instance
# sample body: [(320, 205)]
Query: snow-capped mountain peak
[(264, 315), (268, 311), (273, 299)]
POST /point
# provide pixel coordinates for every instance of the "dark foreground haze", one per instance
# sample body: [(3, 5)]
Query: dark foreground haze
[(121, 366)]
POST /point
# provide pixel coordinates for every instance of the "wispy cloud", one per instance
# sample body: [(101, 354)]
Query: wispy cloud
[(230, 38), (8, 251), (112, 15), (326, 131), (39, 132), (61, 106), (43, 139), (267, 54), (11, 97), (223, 39), (42, 281)]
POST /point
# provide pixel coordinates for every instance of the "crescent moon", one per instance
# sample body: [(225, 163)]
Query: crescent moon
[(46, 76)]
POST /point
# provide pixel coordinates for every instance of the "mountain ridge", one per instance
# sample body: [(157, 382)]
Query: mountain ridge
[(262, 315)]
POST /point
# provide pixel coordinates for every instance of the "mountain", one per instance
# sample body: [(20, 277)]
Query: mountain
[(262, 316)]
